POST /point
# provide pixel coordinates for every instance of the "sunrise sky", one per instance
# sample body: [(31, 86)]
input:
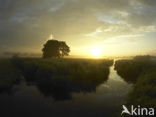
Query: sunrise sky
[(117, 27)]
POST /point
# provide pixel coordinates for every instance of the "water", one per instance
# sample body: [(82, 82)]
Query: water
[(29, 101)]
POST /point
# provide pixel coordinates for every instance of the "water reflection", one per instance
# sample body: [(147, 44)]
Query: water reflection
[(69, 98), (62, 89)]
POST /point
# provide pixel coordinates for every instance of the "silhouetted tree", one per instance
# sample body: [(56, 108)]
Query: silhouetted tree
[(64, 49), (54, 48)]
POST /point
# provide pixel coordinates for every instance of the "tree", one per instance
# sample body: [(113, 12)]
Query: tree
[(64, 49), (55, 48)]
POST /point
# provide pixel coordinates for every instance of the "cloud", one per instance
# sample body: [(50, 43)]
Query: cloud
[(28, 23), (147, 2)]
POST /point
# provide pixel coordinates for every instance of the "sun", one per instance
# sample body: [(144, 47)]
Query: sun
[(96, 51)]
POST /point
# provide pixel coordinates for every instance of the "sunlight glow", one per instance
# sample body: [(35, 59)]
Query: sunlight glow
[(51, 36), (96, 51)]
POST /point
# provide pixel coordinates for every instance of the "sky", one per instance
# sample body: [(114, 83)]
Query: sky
[(118, 27)]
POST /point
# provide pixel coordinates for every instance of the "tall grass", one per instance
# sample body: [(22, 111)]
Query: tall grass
[(144, 92), (130, 70), (141, 71), (60, 77), (8, 74)]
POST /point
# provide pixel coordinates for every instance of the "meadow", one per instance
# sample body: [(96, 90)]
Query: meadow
[(141, 72)]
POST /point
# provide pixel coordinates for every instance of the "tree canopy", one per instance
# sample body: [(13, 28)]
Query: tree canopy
[(55, 49)]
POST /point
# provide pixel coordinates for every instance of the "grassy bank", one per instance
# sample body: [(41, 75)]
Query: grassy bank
[(55, 77), (141, 71), (9, 75)]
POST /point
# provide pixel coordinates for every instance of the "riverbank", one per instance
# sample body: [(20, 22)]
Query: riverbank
[(141, 71)]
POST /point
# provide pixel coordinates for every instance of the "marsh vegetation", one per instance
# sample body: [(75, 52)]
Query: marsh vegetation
[(76, 84), (140, 71), (56, 77), (9, 75)]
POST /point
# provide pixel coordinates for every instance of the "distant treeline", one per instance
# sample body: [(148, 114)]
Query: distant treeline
[(20, 54)]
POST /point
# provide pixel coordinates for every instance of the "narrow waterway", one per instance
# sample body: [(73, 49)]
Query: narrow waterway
[(29, 101), (108, 96)]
